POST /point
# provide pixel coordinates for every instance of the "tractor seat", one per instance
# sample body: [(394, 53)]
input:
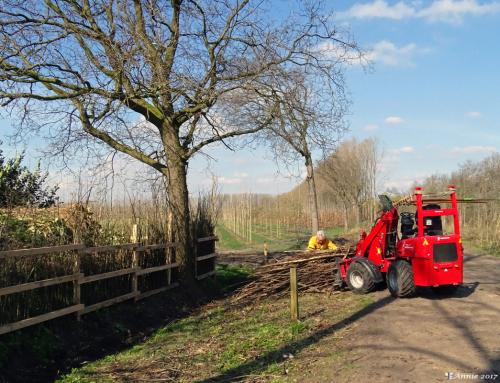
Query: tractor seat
[(407, 223)]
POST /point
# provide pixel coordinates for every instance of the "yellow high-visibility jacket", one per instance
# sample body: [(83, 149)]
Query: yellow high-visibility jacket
[(326, 245)]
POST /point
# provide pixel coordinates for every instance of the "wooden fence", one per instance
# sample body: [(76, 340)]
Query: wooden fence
[(136, 270)]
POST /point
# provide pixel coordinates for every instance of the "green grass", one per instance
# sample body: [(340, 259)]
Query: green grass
[(288, 240), (228, 240), (219, 340), (228, 277)]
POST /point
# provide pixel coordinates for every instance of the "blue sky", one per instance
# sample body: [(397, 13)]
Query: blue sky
[(432, 99)]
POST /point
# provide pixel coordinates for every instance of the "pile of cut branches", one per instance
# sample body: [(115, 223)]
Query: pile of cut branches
[(315, 273)]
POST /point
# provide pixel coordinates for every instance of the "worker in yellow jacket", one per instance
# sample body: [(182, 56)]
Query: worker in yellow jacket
[(320, 242)]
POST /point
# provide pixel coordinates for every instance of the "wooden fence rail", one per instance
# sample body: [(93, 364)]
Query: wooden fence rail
[(205, 257), (205, 247)]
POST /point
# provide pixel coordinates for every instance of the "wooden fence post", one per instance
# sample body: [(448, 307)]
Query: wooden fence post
[(294, 299), (170, 239), (196, 257), (135, 261), (77, 283)]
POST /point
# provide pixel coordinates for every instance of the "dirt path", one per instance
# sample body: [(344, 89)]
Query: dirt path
[(420, 339)]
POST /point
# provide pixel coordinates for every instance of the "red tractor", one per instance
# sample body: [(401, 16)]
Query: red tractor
[(414, 253)]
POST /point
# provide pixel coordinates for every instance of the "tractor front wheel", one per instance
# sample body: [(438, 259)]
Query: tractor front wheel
[(358, 278), (400, 280)]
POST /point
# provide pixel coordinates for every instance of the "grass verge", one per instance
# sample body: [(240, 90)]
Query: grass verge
[(257, 343)]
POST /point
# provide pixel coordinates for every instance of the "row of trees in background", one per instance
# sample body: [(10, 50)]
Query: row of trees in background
[(480, 223), (254, 217), (346, 187), (346, 195)]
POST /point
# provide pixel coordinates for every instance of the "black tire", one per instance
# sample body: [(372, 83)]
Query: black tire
[(359, 279), (400, 280), (446, 290)]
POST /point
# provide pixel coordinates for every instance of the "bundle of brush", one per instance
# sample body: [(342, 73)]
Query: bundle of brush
[(315, 273)]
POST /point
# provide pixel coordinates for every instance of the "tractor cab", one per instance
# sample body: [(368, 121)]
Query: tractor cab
[(432, 225)]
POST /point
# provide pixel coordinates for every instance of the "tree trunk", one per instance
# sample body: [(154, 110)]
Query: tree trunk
[(313, 197), (179, 204), (346, 217), (358, 208)]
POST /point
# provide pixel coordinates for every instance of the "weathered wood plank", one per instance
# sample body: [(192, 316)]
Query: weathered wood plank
[(111, 274), (108, 302), (211, 238), (38, 251), (157, 291), (101, 249), (157, 268), (158, 246), (206, 275), (39, 319), (37, 284), (208, 256)]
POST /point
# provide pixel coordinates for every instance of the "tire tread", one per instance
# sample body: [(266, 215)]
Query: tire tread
[(405, 282)]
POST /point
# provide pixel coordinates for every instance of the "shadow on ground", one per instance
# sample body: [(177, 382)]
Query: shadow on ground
[(262, 362)]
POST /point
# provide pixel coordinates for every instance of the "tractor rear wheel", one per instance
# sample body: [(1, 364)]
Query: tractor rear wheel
[(358, 278), (400, 280)]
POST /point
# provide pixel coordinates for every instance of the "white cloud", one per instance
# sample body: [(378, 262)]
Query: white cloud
[(474, 149), (451, 11), (473, 114), (370, 127), (394, 153), (384, 52), (394, 120), (403, 184), (332, 51), (406, 149), (229, 180), (392, 158), (387, 53), (379, 9)]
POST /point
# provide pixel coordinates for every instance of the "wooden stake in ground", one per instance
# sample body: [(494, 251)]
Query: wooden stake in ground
[(134, 238), (294, 298)]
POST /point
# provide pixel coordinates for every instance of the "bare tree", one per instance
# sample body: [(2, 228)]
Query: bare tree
[(350, 174), (311, 118), (196, 72)]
